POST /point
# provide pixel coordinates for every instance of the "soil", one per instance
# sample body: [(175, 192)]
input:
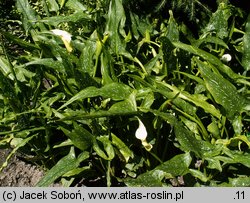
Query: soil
[(19, 173)]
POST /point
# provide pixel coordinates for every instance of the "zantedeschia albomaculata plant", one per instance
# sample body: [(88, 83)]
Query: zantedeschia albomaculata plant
[(66, 38), (141, 134)]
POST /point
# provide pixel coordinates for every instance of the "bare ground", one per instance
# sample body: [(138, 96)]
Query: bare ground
[(19, 173)]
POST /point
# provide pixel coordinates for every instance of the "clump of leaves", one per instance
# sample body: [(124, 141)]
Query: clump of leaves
[(75, 103)]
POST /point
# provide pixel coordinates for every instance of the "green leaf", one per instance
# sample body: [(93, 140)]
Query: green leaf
[(106, 67), (168, 53), (218, 23), (65, 143), (237, 182), (246, 46), (172, 29), (171, 166), (128, 105), (169, 118), (122, 107), (62, 167), (114, 91), (148, 100), (75, 17), (214, 129), (194, 50), (239, 157), (237, 124), (214, 163), (29, 18), (48, 62), (140, 26), (86, 63), (148, 179), (173, 96), (224, 92), (193, 77), (60, 53), (115, 26), (199, 175), (192, 126), (76, 171), (75, 5), (108, 153), (22, 43), (62, 2), (23, 75), (8, 91), (188, 141), (177, 166), (28, 13), (80, 137), (5, 68), (180, 96), (122, 147), (211, 39), (234, 141), (82, 115), (210, 58), (134, 25), (53, 6), (234, 156)]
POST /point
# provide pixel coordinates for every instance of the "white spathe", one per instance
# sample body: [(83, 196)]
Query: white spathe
[(141, 132), (226, 57), (65, 36)]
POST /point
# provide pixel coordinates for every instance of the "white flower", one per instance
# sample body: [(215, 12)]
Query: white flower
[(141, 132), (226, 57), (65, 36)]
